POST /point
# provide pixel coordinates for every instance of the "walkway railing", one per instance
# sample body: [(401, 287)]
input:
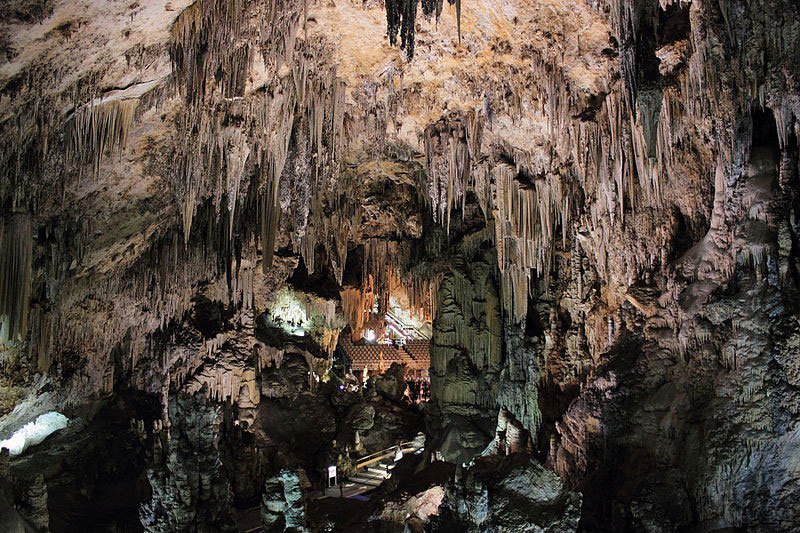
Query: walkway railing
[(405, 447)]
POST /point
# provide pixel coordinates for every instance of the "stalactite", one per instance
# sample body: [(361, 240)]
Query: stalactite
[(236, 150), (201, 45), (270, 217), (356, 305), (394, 15), (330, 339), (379, 255), (401, 17), (16, 251), (98, 127), (525, 227), (458, 16), (451, 144), (421, 291), (432, 8)]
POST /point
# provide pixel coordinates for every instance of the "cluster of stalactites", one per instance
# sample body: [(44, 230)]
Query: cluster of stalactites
[(359, 303), (201, 43), (269, 207), (300, 119), (206, 41), (421, 294), (526, 210), (97, 127), (433, 8), (323, 119), (310, 108), (379, 257), (384, 277), (356, 306), (306, 105), (526, 219), (16, 248), (401, 17), (452, 148)]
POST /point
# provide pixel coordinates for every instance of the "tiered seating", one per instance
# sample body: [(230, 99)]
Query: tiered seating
[(420, 352), (415, 354)]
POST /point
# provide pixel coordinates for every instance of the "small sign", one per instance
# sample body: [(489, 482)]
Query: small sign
[(331, 471)]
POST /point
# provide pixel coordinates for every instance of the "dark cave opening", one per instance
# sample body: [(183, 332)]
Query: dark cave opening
[(93, 477), (321, 283), (354, 266), (765, 131), (683, 238), (534, 327), (673, 24), (553, 401), (208, 316)]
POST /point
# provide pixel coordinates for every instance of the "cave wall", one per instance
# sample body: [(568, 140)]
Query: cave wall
[(635, 163)]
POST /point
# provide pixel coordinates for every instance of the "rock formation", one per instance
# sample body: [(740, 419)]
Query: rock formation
[(512, 494), (593, 202), (283, 506)]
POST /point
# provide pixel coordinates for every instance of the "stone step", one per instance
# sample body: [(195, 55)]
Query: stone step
[(378, 471), (371, 475), (372, 482)]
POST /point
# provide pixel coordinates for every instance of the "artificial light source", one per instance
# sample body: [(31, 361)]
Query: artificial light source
[(289, 313), (370, 335)]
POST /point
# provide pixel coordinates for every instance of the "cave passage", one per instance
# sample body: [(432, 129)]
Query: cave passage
[(301, 266)]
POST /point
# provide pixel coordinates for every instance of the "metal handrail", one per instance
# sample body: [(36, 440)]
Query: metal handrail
[(369, 459)]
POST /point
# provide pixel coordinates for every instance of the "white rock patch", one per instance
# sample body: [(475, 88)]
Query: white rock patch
[(34, 432)]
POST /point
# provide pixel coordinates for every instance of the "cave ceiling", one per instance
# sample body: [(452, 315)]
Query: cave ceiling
[(589, 207)]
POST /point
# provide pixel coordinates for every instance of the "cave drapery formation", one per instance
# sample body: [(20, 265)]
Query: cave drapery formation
[(591, 204)]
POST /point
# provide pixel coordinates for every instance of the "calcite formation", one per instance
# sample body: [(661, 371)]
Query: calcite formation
[(282, 506), (524, 496), (593, 202)]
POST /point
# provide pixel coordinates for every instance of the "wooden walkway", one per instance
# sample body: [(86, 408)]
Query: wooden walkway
[(372, 470)]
